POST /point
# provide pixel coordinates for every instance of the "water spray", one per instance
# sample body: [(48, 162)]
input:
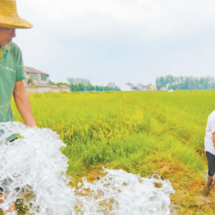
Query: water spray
[(33, 168)]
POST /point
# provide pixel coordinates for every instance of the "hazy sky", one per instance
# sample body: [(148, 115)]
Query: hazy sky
[(118, 40)]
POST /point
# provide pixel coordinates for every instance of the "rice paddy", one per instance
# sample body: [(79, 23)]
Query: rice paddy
[(141, 132)]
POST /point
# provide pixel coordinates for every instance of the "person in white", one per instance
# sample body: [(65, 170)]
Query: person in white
[(209, 143)]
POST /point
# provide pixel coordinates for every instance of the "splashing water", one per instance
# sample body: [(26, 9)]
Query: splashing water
[(33, 168), (120, 193)]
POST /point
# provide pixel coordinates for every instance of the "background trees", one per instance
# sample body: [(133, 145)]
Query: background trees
[(185, 82), (82, 84)]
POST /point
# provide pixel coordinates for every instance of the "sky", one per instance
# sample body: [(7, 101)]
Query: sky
[(118, 41)]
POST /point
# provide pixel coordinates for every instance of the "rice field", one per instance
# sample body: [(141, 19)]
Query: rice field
[(141, 132)]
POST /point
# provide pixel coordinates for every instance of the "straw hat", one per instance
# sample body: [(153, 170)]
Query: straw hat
[(9, 17)]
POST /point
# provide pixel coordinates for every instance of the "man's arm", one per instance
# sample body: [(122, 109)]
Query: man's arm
[(23, 103), (214, 139)]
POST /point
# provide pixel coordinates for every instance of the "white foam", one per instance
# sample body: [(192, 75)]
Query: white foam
[(127, 194), (34, 168)]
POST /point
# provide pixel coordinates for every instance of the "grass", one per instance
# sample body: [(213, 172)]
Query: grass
[(140, 132)]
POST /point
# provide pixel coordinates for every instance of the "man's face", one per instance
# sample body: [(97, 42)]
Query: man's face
[(6, 35)]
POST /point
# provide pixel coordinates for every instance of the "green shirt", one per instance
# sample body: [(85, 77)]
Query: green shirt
[(11, 70)]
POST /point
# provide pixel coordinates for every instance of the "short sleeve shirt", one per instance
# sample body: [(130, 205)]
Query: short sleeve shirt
[(11, 70), (210, 129)]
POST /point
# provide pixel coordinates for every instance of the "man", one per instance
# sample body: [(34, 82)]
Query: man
[(210, 151), (11, 67)]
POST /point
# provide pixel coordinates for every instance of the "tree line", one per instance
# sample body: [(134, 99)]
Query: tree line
[(89, 87), (82, 85), (185, 82)]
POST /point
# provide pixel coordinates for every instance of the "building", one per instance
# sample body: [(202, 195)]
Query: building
[(126, 87), (40, 82), (153, 87), (47, 89), (38, 77), (54, 88), (142, 87), (131, 85), (64, 88)]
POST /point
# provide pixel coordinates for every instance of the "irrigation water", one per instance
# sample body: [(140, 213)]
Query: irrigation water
[(33, 168)]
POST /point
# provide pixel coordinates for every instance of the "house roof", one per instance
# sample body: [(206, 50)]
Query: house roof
[(32, 70), (53, 86), (63, 86), (42, 85)]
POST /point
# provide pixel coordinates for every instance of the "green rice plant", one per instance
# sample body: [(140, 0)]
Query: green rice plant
[(141, 132)]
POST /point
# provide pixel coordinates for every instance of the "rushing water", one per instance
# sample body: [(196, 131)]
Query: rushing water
[(33, 168), (120, 193)]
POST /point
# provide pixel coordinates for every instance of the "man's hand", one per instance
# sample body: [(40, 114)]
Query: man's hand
[(23, 104)]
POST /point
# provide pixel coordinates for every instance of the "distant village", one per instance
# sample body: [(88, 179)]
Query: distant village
[(132, 87), (38, 82)]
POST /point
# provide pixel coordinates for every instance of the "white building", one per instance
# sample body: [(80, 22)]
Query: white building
[(40, 82), (126, 87), (38, 77), (142, 87)]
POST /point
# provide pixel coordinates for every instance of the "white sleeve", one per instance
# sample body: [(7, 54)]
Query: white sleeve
[(212, 124)]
